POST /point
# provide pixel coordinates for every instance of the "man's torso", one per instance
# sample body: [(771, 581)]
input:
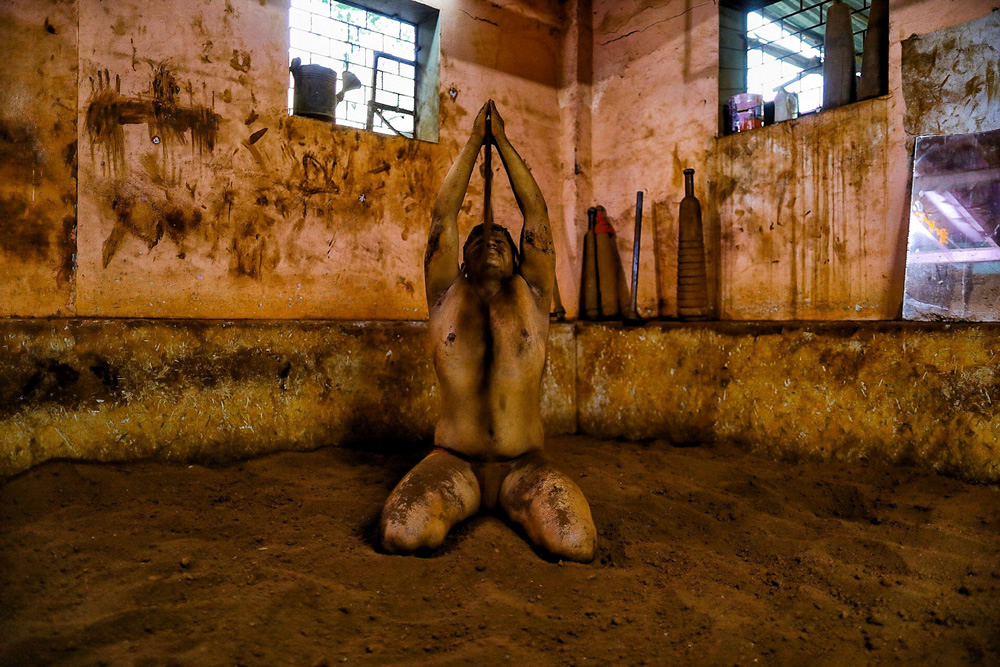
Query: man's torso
[(489, 357)]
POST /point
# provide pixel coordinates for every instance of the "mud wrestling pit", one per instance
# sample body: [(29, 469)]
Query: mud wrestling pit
[(535, 332), (705, 555)]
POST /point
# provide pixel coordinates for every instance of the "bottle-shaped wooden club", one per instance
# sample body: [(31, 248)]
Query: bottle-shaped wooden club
[(610, 275), (692, 282), (839, 85), (875, 62)]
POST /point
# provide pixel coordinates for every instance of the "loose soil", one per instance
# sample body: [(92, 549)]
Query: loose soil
[(707, 555)]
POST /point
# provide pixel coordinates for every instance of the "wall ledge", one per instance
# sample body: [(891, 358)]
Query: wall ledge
[(757, 327)]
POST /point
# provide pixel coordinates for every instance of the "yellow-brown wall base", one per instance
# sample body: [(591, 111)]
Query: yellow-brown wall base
[(113, 390)]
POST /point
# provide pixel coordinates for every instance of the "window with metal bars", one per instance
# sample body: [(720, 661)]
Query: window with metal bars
[(784, 48), (374, 54)]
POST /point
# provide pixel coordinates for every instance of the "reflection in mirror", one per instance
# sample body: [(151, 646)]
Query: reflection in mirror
[(953, 253)]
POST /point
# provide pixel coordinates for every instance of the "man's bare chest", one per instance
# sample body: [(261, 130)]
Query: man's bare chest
[(506, 331)]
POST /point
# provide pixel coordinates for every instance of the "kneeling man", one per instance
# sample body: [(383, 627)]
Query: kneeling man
[(489, 323)]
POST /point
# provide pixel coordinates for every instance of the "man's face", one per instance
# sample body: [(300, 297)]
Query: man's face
[(489, 255)]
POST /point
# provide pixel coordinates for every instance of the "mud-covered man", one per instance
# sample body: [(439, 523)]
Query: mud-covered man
[(489, 323)]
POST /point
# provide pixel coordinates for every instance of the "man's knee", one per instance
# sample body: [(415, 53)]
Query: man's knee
[(403, 533), (553, 511), (571, 539), (425, 504)]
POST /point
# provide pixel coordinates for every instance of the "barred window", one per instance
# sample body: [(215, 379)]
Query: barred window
[(785, 48), (375, 57)]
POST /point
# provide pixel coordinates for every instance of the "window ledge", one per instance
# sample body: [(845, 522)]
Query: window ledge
[(817, 118)]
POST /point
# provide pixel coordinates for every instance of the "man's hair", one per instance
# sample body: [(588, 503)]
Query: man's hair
[(478, 231)]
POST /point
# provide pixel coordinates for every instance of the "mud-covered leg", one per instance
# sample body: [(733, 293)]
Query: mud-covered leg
[(550, 507), (439, 492)]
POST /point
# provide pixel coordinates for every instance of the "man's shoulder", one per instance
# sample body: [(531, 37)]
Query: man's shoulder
[(458, 293)]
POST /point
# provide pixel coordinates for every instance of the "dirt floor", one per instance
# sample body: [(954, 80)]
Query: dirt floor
[(706, 555)]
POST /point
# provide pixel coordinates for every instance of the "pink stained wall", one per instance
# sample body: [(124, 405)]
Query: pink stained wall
[(803, 232), (249, 213), (654, 114), (653, 108), (602, 99)]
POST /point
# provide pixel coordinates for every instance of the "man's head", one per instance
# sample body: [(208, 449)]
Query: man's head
[(489, 253)]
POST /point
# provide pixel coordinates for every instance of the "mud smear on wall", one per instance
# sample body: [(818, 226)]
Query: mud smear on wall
[(30, 224), (451, 115), (351, 184), (19, 149), (302, 177), (140, 216), (139, 211), (51, 382), (166, 119), (68, 245), (252, 252), (951, 79), (249, 246), (87, 379), (240, 61), (23, 233)]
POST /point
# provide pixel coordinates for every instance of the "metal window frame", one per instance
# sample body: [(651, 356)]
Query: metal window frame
[(373, 106), (808, 28), (379, 107)]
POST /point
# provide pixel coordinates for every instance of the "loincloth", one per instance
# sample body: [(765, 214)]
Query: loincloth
[(491, 474)]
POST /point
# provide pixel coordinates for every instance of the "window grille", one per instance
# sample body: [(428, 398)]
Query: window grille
[(785, 47), (378, 49)]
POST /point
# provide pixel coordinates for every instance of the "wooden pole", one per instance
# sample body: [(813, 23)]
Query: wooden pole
[(488, 176), (636, 245)]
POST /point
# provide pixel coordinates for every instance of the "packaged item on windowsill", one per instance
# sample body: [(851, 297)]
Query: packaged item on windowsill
[(746, 112)]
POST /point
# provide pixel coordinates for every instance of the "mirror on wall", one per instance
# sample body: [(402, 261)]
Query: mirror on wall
[(953, 252)]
